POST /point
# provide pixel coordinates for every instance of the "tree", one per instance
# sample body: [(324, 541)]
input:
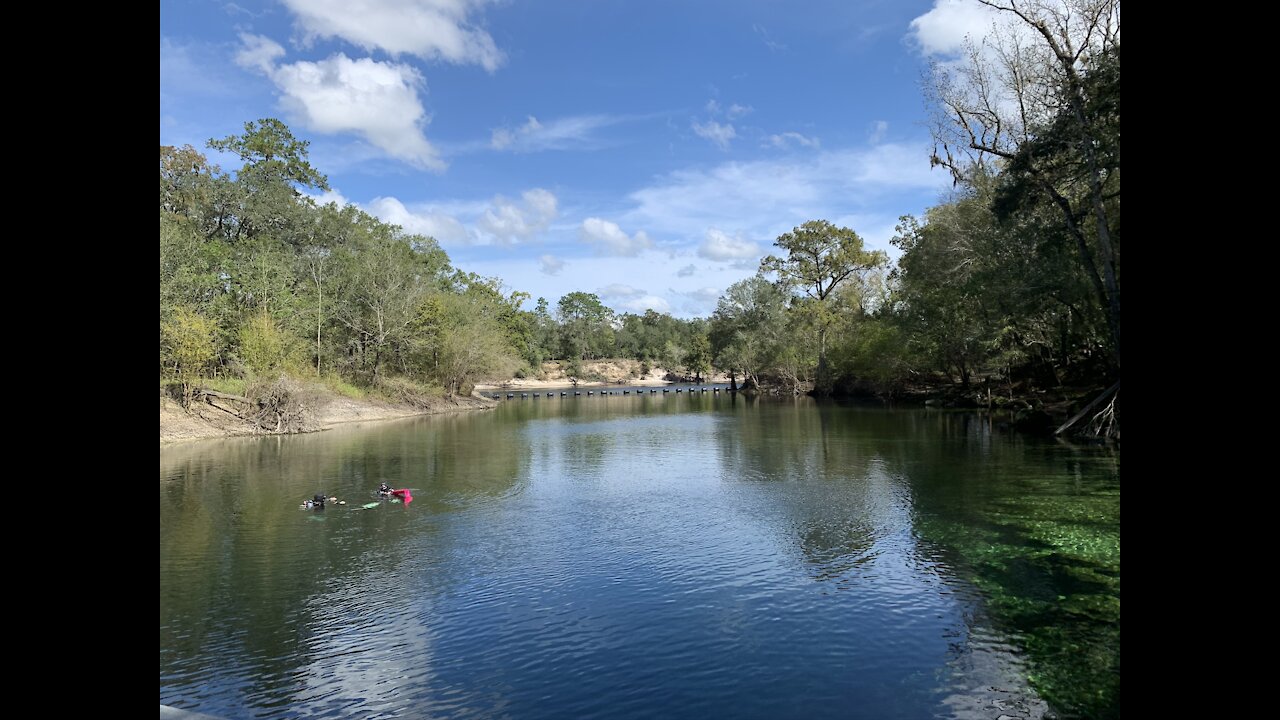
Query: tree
[(699, 356), (747, 329), (546, 332), (460, 340), (188, 345), (263, 345), (189, 266), (941, 307), (383, 276), (516, 325), (185, 181), (586, 326), (820, 256), (269, 149), (1041, 94)]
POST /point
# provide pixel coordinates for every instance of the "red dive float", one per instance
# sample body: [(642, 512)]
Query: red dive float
[(405, 496)]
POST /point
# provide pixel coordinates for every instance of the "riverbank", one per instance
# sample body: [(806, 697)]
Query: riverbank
[(596, 373), (205, 422)]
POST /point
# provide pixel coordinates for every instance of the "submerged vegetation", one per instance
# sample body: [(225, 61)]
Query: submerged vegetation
[(1045, 555)]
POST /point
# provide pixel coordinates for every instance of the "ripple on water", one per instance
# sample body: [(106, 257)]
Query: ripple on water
[(610, 563)]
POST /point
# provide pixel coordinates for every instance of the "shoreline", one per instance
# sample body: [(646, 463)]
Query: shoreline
[(527, 384), (615, 372), (178, 426)]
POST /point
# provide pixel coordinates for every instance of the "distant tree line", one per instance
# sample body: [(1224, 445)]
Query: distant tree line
[(256, 278)]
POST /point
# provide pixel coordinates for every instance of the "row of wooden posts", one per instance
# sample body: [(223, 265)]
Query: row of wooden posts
[(652, 391)]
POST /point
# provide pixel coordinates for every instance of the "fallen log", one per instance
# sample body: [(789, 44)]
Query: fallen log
[(1076, 418)]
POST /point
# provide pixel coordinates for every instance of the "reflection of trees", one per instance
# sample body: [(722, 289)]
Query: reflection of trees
[(797, 443), (1034, 526), (850, 492), (245, 573), (597, 423)]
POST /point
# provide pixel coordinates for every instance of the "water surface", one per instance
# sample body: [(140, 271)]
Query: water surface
[(652, 556)]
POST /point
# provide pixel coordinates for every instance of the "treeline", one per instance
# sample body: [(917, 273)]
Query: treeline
[(256, 278), (1013, 282)]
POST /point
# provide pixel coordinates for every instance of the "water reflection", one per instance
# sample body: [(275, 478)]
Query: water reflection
[(255, 587), (631, 556)]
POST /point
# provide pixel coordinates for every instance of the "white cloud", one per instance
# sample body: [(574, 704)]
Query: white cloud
[(719, 134), (787, 139), (558, 134), (722, 247), (768, 41), (609, 239), (687, 271), (1003, 41), (942, 30), (550, 265), (376, 100), (259, 53), (765, 198), (662, 288), (620, 291), (509, 222), (700, 301), (878, 131), (736, 111), (234, 9), (645, 302), (704, 295), (621, 296), (502, 138), (499, 221), (505, 137), (430, 29), (713, 106), (443, 227), (329, 196)]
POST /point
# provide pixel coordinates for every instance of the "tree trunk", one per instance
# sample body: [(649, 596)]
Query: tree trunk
[(319, 310), (821, 386), (1110, 304)]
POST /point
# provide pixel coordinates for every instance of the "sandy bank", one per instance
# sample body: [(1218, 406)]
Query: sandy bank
[(596, 373), (203, 422)]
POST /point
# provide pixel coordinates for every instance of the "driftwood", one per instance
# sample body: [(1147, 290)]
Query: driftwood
[(241, 406), (1094, 403), (279, 407), (209, 401), (207, 393)]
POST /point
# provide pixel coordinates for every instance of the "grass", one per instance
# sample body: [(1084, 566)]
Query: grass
[(393, 389), (343, 388), (228, 385), (404, 390)]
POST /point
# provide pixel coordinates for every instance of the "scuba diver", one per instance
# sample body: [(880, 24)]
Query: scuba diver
[(315, 503), (384, 490)]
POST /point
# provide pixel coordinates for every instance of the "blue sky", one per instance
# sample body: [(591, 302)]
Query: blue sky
[(647, 152)]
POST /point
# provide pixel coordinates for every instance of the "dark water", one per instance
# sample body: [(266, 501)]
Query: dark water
[(654, 556)]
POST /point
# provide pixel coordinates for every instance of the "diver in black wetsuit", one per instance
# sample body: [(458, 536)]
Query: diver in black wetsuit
[(384, 490), (315, 503)]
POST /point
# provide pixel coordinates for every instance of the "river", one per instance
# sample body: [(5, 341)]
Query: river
[(650, 555)]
